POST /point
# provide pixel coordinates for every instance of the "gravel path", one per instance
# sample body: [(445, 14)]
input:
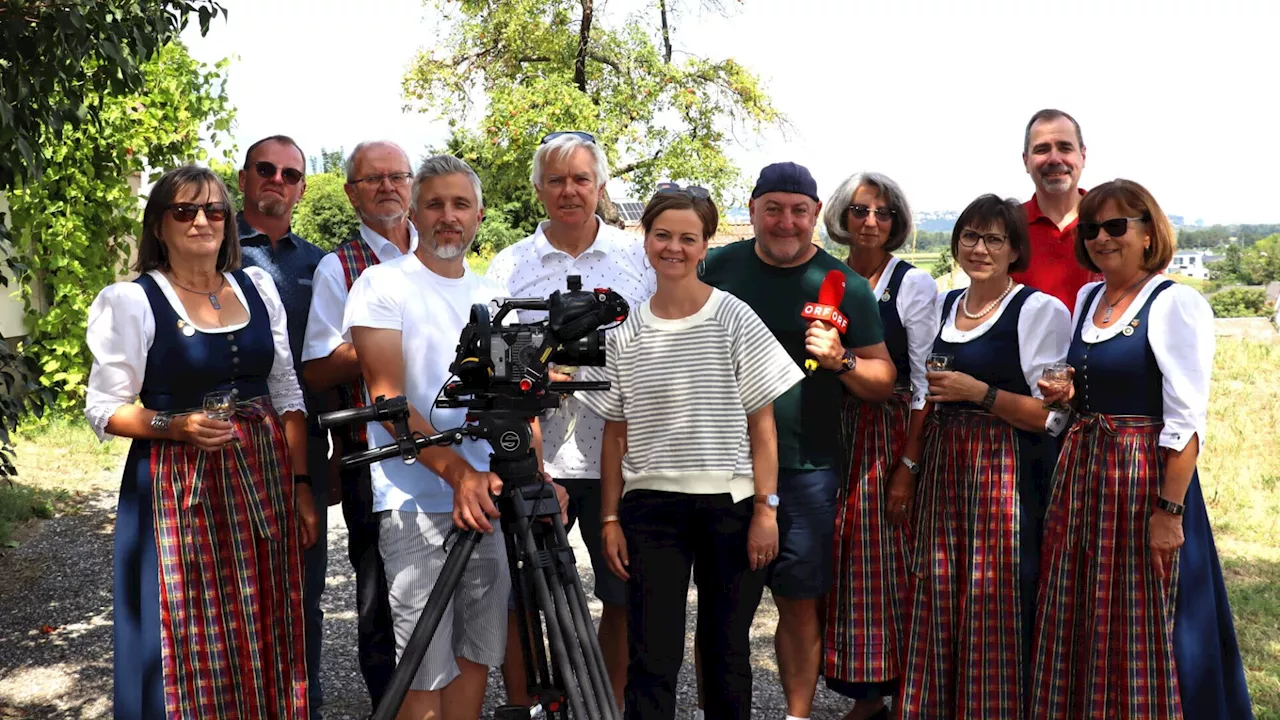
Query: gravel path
[(56, 644)]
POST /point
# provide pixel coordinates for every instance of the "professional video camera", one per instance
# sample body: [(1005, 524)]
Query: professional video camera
[(502, 380)]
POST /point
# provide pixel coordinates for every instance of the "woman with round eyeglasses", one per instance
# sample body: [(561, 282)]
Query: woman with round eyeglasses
[(1133, 614), (215, 505), (862, 649), (689, 465), (987, 459)]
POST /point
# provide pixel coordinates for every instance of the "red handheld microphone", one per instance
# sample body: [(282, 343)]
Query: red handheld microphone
[(827, 309)]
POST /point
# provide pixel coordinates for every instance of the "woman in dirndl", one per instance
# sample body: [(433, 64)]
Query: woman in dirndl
[(862, 649), (987, 459), (213, 513), (1133, 614)]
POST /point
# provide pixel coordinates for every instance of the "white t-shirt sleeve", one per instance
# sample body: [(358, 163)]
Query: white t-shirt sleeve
[(282, 383), (120, 332), (1044, 337), (762, 367), (918, 309), (376, 300), (1181, 337), (328, 299)]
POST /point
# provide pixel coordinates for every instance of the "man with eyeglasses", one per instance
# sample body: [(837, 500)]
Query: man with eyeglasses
[(776, 273), (1053, 152), (569, 175), (273, 182), (378, 185)]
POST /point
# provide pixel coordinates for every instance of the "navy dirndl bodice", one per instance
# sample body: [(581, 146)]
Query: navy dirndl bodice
[(994, 357), (181, 368), (895, 333), (1120, 375)]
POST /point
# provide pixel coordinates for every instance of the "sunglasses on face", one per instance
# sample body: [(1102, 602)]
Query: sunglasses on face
[(862, 211), (1115, 227), (576, 133), (693, 191), (970, 238), (186, 212), (266, 171)]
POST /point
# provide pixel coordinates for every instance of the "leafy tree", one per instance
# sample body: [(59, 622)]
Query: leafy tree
[(1257, 265), (546, 65), (73, 225), (325, 216), (943, 265), (329, 161), (230, 175), (1239, 302)]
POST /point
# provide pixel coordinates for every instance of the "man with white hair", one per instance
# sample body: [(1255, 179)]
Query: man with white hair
[(378, 184), (569, 175)]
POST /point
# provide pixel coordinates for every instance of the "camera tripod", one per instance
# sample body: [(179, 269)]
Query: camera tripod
[(569, 678)]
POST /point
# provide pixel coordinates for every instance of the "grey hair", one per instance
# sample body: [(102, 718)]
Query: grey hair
[(835, 215), (439, 165), (561, 148), (350, 164)]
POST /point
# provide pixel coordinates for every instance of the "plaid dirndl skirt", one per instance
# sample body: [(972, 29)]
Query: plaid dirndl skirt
[(863, 637), (964, 626), (1103, 646), (230, 574)]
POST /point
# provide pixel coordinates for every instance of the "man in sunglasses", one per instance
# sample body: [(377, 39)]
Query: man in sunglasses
[(378, 185), (569, 175), (1053, 152), (273, 182), (776, 273)]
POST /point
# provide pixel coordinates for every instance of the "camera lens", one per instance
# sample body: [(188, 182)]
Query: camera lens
[(587, 350)]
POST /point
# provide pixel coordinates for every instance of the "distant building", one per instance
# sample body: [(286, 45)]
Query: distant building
[(1192, 263)]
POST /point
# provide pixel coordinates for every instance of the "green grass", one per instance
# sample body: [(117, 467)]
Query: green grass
[(1193, 283), (921, 260)]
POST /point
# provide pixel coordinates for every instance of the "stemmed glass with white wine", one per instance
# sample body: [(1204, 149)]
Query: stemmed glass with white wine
[(1058, 378)]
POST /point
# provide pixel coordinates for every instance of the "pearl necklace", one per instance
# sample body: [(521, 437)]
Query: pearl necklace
[(964, 303)]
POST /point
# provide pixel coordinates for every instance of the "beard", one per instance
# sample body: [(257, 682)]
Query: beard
[(447, 252), (272, 206), (1057, 184)]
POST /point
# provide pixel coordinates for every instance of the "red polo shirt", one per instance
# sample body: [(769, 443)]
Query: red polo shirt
[(1054, 268)]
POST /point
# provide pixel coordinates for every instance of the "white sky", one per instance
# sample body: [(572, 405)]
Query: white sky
[(1183, 97)]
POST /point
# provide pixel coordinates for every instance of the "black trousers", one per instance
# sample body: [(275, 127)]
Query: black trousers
[(668, 534), (375, 641)]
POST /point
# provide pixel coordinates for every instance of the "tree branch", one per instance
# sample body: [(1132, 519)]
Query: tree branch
[(638, 164), (584, 39), (604, 61), (666, 33)]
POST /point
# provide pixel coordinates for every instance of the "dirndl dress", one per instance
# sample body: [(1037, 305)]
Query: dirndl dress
[(974, 565), (208, 580), (862, 648), (1113, 640)]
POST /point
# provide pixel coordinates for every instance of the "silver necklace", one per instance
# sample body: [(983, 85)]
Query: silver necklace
[(211, 294), (964, 303), (1106, 317)]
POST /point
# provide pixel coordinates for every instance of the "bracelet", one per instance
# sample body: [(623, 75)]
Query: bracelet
[(990, 398), (608, 519), (1169, 506), (302, 480)]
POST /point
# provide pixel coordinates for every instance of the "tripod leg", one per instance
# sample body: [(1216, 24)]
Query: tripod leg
[(601, 682), (571, 663), (416, 648), (535, 674)]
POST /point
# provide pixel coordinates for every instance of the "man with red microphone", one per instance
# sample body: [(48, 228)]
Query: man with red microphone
[(781, 274)]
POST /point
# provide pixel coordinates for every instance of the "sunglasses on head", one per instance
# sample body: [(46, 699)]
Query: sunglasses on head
[(1115, 227), (576, 133), (862, 211), (266, 171), (186, 212), (693, 191)]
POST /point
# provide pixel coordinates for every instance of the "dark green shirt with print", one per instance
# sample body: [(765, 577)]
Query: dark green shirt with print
[(808, 415)]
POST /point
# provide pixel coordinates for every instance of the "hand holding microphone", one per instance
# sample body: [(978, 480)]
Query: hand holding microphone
[(822, 340)]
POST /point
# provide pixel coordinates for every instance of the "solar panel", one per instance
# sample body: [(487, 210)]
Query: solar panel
[(631, 212)]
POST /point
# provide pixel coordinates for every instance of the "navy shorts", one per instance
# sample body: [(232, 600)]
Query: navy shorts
[(806, 531)]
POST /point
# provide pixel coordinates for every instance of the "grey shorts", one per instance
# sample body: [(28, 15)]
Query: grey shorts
[(474, 625)]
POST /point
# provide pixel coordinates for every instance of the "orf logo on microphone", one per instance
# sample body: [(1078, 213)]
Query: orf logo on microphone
[(825, 313)]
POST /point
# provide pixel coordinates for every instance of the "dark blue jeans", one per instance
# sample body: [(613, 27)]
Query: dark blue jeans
[(668, 534)]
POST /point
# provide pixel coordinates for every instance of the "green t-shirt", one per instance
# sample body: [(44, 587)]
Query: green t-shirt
[(808, 415)]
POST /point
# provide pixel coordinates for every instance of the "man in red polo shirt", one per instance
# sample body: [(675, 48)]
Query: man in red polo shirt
[(1053, 152)]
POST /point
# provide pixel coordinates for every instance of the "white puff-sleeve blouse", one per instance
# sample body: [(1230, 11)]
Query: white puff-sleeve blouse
[(122, 328)]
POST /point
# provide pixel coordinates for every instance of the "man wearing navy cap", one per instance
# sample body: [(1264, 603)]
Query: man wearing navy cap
[(776, 273)]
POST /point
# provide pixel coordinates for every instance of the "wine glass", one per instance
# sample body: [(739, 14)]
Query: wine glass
[(1058, 377), (938, 362), (219, 404)]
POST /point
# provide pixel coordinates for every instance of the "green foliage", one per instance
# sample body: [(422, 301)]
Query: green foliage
[(1239, 302), (73, 226), (943, 265), (1256, 265), (497, 231), (546, 65), (329, 161), (1220, 235), (325, 217), (230, 175)]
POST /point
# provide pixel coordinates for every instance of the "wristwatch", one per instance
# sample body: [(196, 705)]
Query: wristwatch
[(848, 361), (1170, 506), (771, 500), (912, 466), (160, 422), (989, 399)]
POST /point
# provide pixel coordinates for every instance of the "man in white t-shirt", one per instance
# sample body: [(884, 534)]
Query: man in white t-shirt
[(569, 175), (405, 317)]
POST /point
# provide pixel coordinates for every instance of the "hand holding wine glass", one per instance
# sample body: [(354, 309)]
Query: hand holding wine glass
[(1057, 386)]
